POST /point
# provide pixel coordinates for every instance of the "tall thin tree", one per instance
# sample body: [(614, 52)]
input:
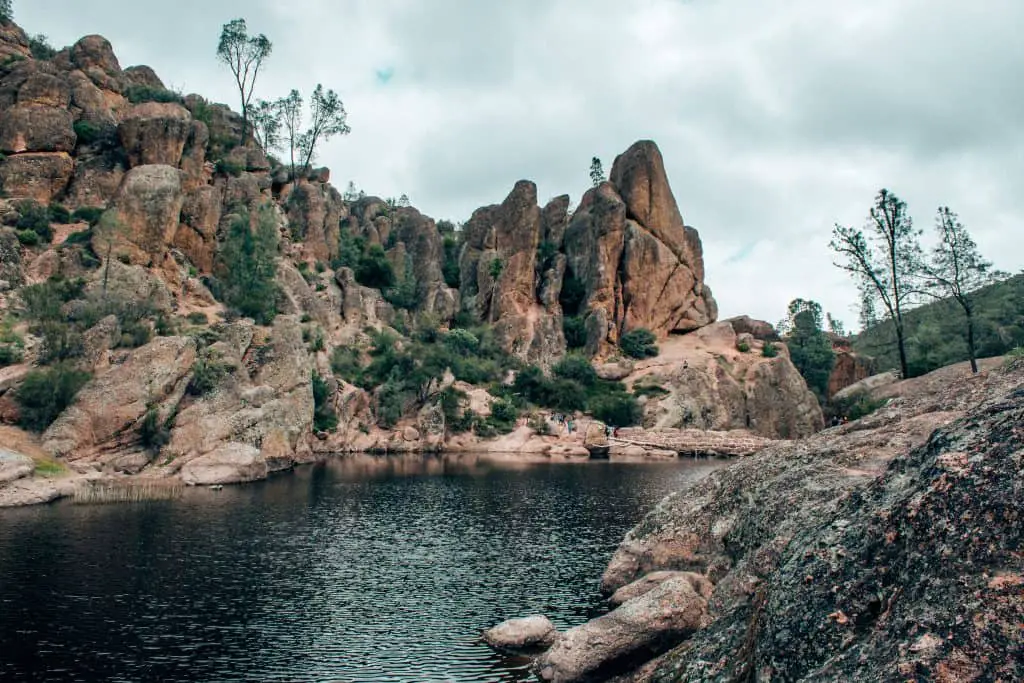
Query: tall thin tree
[(244, 55), (290, 109), (6, 13), (956, 270), (327, 119), (886, 261)]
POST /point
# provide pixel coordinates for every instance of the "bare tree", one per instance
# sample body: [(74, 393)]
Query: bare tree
[(956, 269), (108, 231), (886, 261), (244, 55)]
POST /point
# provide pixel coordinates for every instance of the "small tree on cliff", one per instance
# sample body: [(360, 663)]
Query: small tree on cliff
[(249, 263), (244, 55), (107, 231), (6, 13), (596, 172), (809, 346), (956, 269), (266, 124), (886, 262), (327, 119)]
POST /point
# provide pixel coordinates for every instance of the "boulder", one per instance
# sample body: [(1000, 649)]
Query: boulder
[(41, 176), (149, 207), (528, 634), (14, 466), (232, 463), (652, 622), (144, 76), (314, 213), (94, 56), (13, 42), (113, 402), (44, 89), (155, 133), (36, 128), (649, 582), (759, 329), (96, 180)]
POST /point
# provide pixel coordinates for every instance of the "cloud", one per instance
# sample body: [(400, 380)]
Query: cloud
[(776, 120)]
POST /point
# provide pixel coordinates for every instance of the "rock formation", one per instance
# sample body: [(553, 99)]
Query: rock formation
[(79, 132)]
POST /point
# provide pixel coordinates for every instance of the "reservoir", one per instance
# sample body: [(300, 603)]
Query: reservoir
[(358, 569)]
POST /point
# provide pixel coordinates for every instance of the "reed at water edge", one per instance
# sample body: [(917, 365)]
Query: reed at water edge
[(126, 490)]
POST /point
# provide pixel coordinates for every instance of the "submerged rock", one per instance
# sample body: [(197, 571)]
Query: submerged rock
[(522, 635)]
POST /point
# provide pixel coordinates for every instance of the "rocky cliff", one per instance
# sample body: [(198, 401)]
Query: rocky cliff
[(886, 549), (120, 196)]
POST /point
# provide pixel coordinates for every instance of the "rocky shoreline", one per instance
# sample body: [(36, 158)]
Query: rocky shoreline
[(885, 549)]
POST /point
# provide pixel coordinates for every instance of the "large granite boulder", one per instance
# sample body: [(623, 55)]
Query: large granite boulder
[(148, 205), (522, 635), (155, 133), (649, 623)]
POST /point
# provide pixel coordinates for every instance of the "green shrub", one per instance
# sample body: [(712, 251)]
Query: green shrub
[(134, 334), (639, 343), (769, 350), (575, 331), (450, 269), (44, 394), (743, 347), (197, 318), (620, 410), (39, 46), (856, 406), (462, 342), (154, 434), (207, 374), (81, 237), (59, 213), (374, 269), (347, 364), (137, 94), (249, 264), (45, 301), (10, 354), (164, 326), (28, 238), (576, 368), (34, 217), (324, 417), (229, 167), (87, 214), (316, 341), (88, 132), (60, 342), (503, 415)]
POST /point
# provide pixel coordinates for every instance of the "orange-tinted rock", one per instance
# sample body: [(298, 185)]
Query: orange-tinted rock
[(197, 235), (96, 179), (849, 369), (40, 176), (144, 76), (45, 89), (149, 206), (36, 128), (155, 133)]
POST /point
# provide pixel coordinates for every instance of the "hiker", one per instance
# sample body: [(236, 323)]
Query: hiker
[(616, 433), (846, 420)]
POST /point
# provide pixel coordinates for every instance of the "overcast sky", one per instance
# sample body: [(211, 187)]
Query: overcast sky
[(776, 118)]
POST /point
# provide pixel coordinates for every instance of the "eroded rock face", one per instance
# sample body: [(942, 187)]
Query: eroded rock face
[(111, 404), (711, 384), (884, 549), (11, 274), (36, 128), (232, 463), (41, 176), (849, 369)]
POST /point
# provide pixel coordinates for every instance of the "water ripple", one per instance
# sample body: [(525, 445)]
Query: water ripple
[(363, 569)]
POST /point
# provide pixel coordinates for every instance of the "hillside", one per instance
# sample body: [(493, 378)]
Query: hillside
[(177, 304), (935, 331)]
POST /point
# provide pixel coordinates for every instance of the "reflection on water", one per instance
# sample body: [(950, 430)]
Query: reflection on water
[(361, 569)]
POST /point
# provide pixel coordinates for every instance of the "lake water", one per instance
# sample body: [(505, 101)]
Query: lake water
[(360, 569)]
